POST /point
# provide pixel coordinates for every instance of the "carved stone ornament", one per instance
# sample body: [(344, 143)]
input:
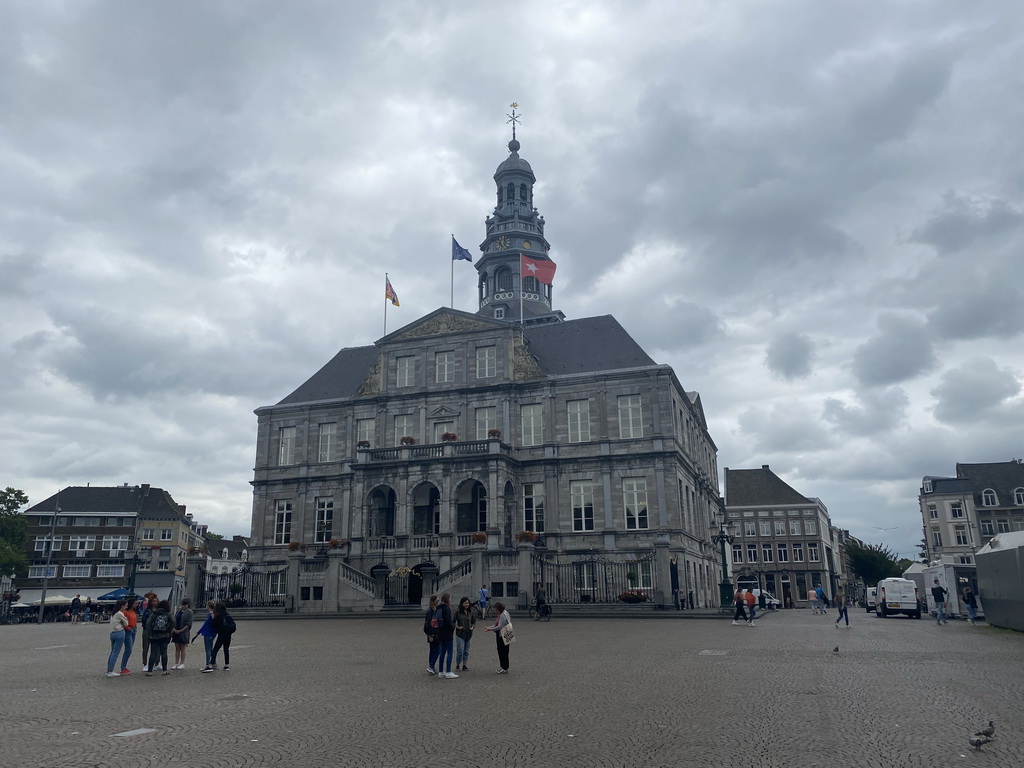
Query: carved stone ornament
[(372, 385), (524, 365), (442, 324)]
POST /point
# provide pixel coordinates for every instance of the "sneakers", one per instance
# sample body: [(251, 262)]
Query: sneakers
[(165, 672), (149, 674), (448, 675), (208, 668), (113, 674), (466, 669), (126, 671), (430, 671), (226, 667), (502, 671), (735, 623)]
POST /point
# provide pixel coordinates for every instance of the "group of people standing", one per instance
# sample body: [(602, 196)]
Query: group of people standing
[(449, 635), (160, 628)]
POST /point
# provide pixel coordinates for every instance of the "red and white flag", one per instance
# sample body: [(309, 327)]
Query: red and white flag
[(542, 269)]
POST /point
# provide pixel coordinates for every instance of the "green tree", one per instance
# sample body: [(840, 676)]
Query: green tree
[(13, 531), (923, 554), (872, 562)]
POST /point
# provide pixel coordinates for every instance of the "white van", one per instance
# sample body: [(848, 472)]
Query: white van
[(897, 596), (870, 599), (771, 602)]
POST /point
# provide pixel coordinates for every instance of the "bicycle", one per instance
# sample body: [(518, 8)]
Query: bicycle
[(486, 613), (541, 614)]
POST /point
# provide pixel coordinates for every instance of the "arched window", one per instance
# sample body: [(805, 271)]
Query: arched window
[(1018, 497), (523, 192), (501, 195), (511, 192), (989, 498), (529, 285), (503, 278)]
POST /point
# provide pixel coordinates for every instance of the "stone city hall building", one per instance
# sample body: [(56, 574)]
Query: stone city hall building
[(508, 447)]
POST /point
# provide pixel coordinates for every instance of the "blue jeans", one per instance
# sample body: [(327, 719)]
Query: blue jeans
[(129, 643), (940, 613), (843, 614), (462, 650), (447, 651), (208, 646), (116, 644), (972, 613), (435, 651)]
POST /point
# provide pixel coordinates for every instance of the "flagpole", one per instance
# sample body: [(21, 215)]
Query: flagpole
[(385, 304), (520, 288), (452, 302)]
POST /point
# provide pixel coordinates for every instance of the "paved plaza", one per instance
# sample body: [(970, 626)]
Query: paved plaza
[(582, 692)]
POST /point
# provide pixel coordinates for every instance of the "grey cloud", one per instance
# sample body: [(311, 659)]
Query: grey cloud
[(875, 413), (974, 310), (973, 392), (901, 350), (963, 222), (782, 429), (790, 355)]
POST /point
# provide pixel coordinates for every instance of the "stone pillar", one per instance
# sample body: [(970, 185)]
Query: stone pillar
[(662, 565), (193, 579), (525, 551), (292, 579)]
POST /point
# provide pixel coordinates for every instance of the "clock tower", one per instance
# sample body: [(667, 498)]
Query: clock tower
[(514, 228)]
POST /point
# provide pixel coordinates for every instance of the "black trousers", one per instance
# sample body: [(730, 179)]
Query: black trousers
[(502, 652), (223, 641), (158, 652), (741, 612)]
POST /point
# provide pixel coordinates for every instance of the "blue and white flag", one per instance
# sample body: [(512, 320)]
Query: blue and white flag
[(460, 253)]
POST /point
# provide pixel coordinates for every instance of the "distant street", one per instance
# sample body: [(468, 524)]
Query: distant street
[(615, 692)]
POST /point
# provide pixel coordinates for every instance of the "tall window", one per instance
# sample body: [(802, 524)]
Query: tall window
[(749, 528), (737, 553), (960, 531), (798, 553), (986, 528), (933, 512), (783, 553), (630, 419), (533, 424), (328, 433), (365, 430), (486, 362), (166, 534), (780, 527), (812, 552), (403, 427), (405, 368), (148, 534), (533, 507), (324, 518), (989, 498), (751, 553), (579, 421), (1002, 526), (811, 527), (444, 367), (441, 427), (581, 493), (766, 528), (486, 420), (276, 583), (956, 510), (286, 446), (766, 553), (794, 527), (634, 493), (586, 576), (283, 522), (1018, 497), (936, 538)]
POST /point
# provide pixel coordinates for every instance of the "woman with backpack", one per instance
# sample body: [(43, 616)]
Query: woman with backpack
[(430, 629), (180, 634), (224, 626), (446, 633), (160, 625)]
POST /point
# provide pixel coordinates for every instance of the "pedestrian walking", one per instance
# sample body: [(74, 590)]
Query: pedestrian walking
[(160, 624), (812, 598), (939, 594), (819, 592), (484, 597), (740, 603), (118, 622), (446, 633), (130, 633), (181, 634), (208, 633), (500, 623), (751, 601), (88, 610), (430, 629), (465, 623), (841, 606), (224, 624), (971, 602), (76, 608)]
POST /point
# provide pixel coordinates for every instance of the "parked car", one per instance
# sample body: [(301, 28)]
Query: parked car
[(897, 596), (769, 599)]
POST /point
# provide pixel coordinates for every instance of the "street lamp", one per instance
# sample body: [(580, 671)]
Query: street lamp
[(726, 535), (132, 558)]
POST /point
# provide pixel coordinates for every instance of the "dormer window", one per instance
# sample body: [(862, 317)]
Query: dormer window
[(989, 498), (1018, 497), (927, 485)]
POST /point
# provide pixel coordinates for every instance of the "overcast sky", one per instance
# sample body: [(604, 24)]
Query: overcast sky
[(812, 211)]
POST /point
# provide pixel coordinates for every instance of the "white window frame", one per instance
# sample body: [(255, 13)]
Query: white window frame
[(486, 419), (956, 510), (109, 571), (581, 494), (403, 427), (766, 528), (737, 553), (960, 536), (933, 512), (148, 534), (40, 571), (811, 528), (813, 553), (634, 496), (444, 367), (578, 415), (631, 423), (767, 555), (780, 527), (1002, 526), (81, 543), (751, 553), (324, 519), (283, 521), (987, 529), (277, 583), (1018, 497), (486, 362), (41, 541), (798, 552), (794, 527), (989, 498), (166, 534), (286, 446), (365, 430), (749, 528), (533, 507), (114, 544), (405, 371), (782, 553), (328, 440), (532, 416), (77, 571)]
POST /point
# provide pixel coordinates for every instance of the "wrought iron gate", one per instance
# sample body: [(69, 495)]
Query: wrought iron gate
[(246, 586), (593, 579)]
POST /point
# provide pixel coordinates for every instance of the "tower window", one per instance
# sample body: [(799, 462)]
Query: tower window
[(504, 279), (511, 192), (530, 284), (522, 192), (501, 195)]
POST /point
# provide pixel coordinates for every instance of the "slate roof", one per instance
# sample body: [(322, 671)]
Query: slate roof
[(588, 345), (585, 346), (1002, 477), (758, 487), (950, 485), (100, 499)]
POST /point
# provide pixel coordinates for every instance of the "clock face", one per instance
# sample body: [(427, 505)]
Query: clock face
[(527, 244), (502, 243)]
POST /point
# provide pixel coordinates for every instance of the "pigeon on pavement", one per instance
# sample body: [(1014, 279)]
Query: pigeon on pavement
[(836, 649), (977, 741), (989, 730)]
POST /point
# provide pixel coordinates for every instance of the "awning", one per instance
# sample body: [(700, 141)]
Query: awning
[(33, 595)]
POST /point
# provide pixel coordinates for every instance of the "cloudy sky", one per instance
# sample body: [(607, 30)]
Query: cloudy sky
[(812, 211)]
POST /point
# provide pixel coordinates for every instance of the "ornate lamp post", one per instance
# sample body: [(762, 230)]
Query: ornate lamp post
[(725, 535), (133, 559)]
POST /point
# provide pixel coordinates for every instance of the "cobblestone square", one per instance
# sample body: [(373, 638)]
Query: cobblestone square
[(581, 692)]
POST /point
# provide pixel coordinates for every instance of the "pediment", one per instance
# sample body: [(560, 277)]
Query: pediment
[(444, 322), (443, 412)]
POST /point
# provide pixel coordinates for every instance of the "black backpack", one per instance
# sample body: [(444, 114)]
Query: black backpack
[(161, 625), (229, 624)]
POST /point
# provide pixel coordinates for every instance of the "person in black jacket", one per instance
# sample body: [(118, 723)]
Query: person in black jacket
[(446, 637), (224, 625), (430, 622)]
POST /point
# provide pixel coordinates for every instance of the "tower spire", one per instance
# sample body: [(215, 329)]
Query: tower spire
[(514, 118)]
